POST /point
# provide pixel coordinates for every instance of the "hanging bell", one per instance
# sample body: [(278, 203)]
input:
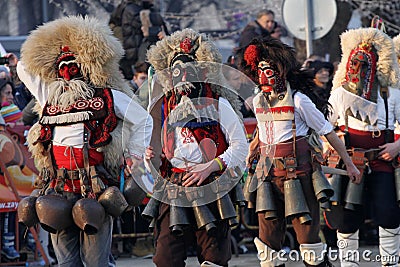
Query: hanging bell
[(226, 210), (322, 188), (265, 201), (336, 182), (295, 202), (178, 220), (354, 195), (205, 219)]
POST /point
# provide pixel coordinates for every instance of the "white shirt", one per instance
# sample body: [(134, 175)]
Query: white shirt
[(306, 116), (137, 127), (341, 100), (187, 149)]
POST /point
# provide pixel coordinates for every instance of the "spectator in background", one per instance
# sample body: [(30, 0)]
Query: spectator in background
[(6, 88), (131, 221), (9, 111), (278, 31), (10, 114), (311, 58), (4, 72), (322, 72), (141, 27), (261, 27), (139, 75), (240, 84), (21, 96)]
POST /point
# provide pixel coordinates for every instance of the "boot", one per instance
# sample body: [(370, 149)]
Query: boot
[(389, 246), (209, 264), (8, 249), (267, 256), (348, 249), (314, 255)]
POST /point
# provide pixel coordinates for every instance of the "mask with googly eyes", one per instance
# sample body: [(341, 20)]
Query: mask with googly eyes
[(269, 78)]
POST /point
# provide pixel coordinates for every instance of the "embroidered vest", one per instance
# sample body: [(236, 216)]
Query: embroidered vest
[(266, 114), (209, 129), (281, 110), (97, 114)]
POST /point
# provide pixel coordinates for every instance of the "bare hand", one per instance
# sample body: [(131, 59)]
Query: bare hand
[(353, 173), (161, 35), (197, 174), (133, 166), (149, 154), (12, 59), (389, 151)]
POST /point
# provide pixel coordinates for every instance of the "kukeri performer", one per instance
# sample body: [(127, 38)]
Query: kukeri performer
[(203, 143), (287, 169), (366, 103), (70, 65)]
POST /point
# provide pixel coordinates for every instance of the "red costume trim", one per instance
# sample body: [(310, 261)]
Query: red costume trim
[(102, 122), (364, 140), (71, 158), (278, 110)]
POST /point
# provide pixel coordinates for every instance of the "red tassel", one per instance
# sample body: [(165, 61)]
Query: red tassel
[(251, 56)]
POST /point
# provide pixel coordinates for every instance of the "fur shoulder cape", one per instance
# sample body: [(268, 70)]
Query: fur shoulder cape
[(97, 51)]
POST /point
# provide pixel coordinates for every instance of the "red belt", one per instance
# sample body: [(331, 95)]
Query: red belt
[(71, 158), (73, 186), (285, 149)]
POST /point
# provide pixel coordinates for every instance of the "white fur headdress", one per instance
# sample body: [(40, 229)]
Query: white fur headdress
[(96, 50), (203, 49), (91, 41), (387, 68), (396, 41)]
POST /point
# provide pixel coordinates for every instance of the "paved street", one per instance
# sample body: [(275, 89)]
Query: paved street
[(250, 260)]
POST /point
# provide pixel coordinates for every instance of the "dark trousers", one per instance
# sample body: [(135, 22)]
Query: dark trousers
[(379, 204), (272, 232), (75, 248), (171, 249)]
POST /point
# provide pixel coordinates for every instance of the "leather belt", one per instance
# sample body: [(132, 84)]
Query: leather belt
[(68, 174), (371, 155)]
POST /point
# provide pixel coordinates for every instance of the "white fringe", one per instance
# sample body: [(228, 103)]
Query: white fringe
[(67, 118)]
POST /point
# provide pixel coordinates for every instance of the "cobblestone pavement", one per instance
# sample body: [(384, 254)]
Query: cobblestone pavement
[(367, 256)]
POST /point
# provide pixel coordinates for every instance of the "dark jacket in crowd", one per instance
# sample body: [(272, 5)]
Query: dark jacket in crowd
[(134, 43), (252, 30)]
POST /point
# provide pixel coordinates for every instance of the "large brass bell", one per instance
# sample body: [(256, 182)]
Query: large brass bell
[(322, 188), (295, 202), (249, 190), (265, 201), (354, 195), (27, 211), (113, 201), (237, 195), (151, 210), (88, 215), (54, 212), (178, 220), (336, 182), (133, 193), (226, 210), (205, 219)]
